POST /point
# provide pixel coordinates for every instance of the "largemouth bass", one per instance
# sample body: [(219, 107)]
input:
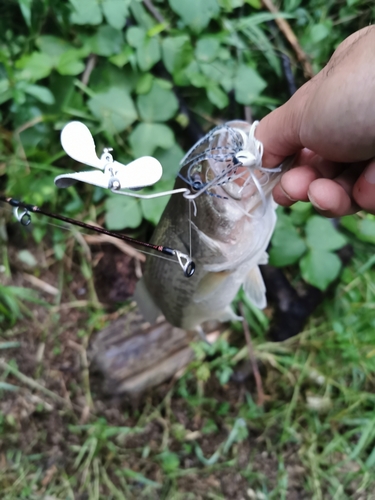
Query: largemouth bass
[(226, 227)]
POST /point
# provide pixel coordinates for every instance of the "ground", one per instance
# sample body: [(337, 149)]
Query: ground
[(200, 436)]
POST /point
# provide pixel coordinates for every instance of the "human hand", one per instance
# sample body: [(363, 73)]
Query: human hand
[(330, 124)]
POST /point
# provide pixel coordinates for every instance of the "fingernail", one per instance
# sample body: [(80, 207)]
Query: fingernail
[(316, 205), (369, 173), (286, 194)]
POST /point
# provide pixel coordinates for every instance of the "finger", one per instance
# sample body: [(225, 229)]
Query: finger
[(330, 198), (280, 197), (295, 183), (364, 188), (279, 131), (326, 168)]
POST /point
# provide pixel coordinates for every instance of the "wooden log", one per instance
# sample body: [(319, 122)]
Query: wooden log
[(134, 356)]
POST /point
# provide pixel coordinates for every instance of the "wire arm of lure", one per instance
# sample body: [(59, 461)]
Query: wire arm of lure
[(150, 196), (187, 265)]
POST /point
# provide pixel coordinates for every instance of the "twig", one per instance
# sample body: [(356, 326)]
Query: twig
[(90, 65), (253, 361), (121, 245), (154, 11), (287, 31), (32, 383), (85, 373), (42, 285)]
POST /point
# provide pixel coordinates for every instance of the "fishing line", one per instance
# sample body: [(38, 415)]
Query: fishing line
[(190, 252)]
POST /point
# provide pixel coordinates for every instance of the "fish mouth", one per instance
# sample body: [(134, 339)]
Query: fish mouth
[(235, 188)]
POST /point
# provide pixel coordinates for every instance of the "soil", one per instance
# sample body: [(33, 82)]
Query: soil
[(53, 342)]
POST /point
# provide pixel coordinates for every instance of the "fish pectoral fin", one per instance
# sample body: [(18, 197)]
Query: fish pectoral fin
[(229, 315), (263, 259), (147, 306), (209, 284), (254, 288)]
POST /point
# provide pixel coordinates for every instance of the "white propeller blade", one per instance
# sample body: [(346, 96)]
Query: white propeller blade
[(78, 143), (144, 171)]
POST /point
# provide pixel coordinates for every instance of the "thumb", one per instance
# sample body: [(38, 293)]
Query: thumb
[(280, 130)]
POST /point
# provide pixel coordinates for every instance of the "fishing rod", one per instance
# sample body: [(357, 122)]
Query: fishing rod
[(188, 266)]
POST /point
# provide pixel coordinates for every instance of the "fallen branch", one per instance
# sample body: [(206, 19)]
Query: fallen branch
[(121, 245), (287, 31), (253, 361)]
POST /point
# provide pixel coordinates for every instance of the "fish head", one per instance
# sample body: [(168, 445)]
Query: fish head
[(227, 181)]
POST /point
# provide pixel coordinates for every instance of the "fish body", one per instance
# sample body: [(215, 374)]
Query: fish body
[(226, 230)]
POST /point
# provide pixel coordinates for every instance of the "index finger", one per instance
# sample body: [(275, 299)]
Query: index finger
[(280, 130)]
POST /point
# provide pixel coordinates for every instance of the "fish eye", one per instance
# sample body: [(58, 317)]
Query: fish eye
[(196, 182), (197, 185)]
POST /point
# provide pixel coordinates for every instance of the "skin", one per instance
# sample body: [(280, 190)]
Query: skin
[(329, 123)]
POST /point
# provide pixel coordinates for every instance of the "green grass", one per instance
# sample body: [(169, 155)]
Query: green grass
[(204, 436)]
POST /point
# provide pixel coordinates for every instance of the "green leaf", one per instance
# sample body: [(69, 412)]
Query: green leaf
[(106, 41), (53, 46), (207, 49), (144, 84), (195, 13), (177, 52), (148, 53), (5, 92), (288, 249), (70, 63), (217, 96), (152, 209), (220, 72), (229, 5), (158, 105), (114, 108), (146, 137), (123, 57), (256, 4), (35, 66), (203, 372), (195, 76), (319, 32), (364, 229), (260, 40), (121, 212), (248, 85), (25, 7), (105, 76), (86, 12), (321, 235), (43, 94), (320, 268), (169, 461), (300, 212), (4, 386), (135, 36), (116, 12), (170, 159)]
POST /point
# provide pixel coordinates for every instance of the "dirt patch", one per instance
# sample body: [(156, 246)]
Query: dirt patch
[(128, 435)]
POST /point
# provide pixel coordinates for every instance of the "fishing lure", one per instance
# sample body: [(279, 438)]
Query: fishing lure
[(78, 143), (232, 148)]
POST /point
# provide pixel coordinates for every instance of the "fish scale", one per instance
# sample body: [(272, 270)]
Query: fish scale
[(229, 234)]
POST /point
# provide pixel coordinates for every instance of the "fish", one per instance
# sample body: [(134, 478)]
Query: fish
[(224, 223)]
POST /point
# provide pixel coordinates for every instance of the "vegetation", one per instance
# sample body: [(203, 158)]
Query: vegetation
[(144, 81)]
